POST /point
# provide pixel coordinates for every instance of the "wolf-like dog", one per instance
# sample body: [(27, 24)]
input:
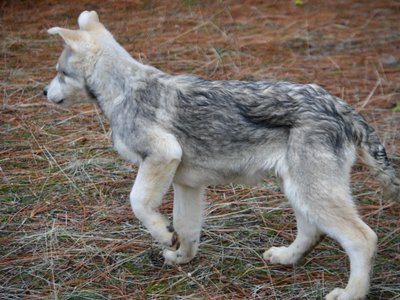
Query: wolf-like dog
[(191, 132)]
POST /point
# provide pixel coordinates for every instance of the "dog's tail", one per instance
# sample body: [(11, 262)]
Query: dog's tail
[(374, 155)]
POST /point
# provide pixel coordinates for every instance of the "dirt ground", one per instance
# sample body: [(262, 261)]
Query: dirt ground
[(67, 231)]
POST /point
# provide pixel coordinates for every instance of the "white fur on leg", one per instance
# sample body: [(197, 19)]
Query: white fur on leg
[(280, 255), (359, 242), (338, 294), (177, 257), (188, 216), (332, 211), (343, 294), (307, 237), (152, 181)]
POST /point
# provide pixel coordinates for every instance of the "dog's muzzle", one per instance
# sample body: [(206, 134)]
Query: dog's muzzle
[(45, 94)]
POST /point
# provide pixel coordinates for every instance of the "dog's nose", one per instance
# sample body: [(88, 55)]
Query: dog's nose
[(45, 92)]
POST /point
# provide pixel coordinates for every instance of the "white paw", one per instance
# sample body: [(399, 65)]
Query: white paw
[(175, 257), (337, 294), (342, 294), (280, 255)]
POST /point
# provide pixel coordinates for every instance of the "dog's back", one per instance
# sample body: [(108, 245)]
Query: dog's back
[(223, 121)]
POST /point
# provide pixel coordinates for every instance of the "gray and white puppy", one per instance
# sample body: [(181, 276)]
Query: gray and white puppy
[(192, 132)]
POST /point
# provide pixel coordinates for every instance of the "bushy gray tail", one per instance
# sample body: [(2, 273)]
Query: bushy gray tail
[(374, 155)]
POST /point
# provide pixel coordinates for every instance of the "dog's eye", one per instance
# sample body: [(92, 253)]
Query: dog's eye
[(64, 73)]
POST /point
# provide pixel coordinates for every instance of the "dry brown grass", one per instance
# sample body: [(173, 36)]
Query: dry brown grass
[(67, 231)]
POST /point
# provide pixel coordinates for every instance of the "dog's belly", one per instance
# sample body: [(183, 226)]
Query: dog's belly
[(196, 177), (249, 172)]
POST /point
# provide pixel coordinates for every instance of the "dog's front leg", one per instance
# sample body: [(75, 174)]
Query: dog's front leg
[(188, 216), (152, 181)]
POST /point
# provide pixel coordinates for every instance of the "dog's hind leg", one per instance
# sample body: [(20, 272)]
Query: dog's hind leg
[(317, 185), (308, 236), (359, 242), (188, 217), (333, 213)]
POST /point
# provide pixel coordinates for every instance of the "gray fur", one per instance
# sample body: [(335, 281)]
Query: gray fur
[(191, 132)]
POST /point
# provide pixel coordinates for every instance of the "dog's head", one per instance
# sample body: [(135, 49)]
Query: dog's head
[(77, 60)]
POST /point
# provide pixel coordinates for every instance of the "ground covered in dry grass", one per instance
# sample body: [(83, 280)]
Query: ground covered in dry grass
[(67, 231)]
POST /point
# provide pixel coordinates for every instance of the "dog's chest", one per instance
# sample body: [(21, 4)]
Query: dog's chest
[(125, 151)]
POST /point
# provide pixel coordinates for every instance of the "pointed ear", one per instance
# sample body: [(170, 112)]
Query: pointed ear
[(89, 20), (73, 38)]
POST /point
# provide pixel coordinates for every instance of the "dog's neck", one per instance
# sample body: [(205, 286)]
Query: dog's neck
[(114, 78)]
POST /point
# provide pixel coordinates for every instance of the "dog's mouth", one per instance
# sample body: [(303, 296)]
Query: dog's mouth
[(59, 101)]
